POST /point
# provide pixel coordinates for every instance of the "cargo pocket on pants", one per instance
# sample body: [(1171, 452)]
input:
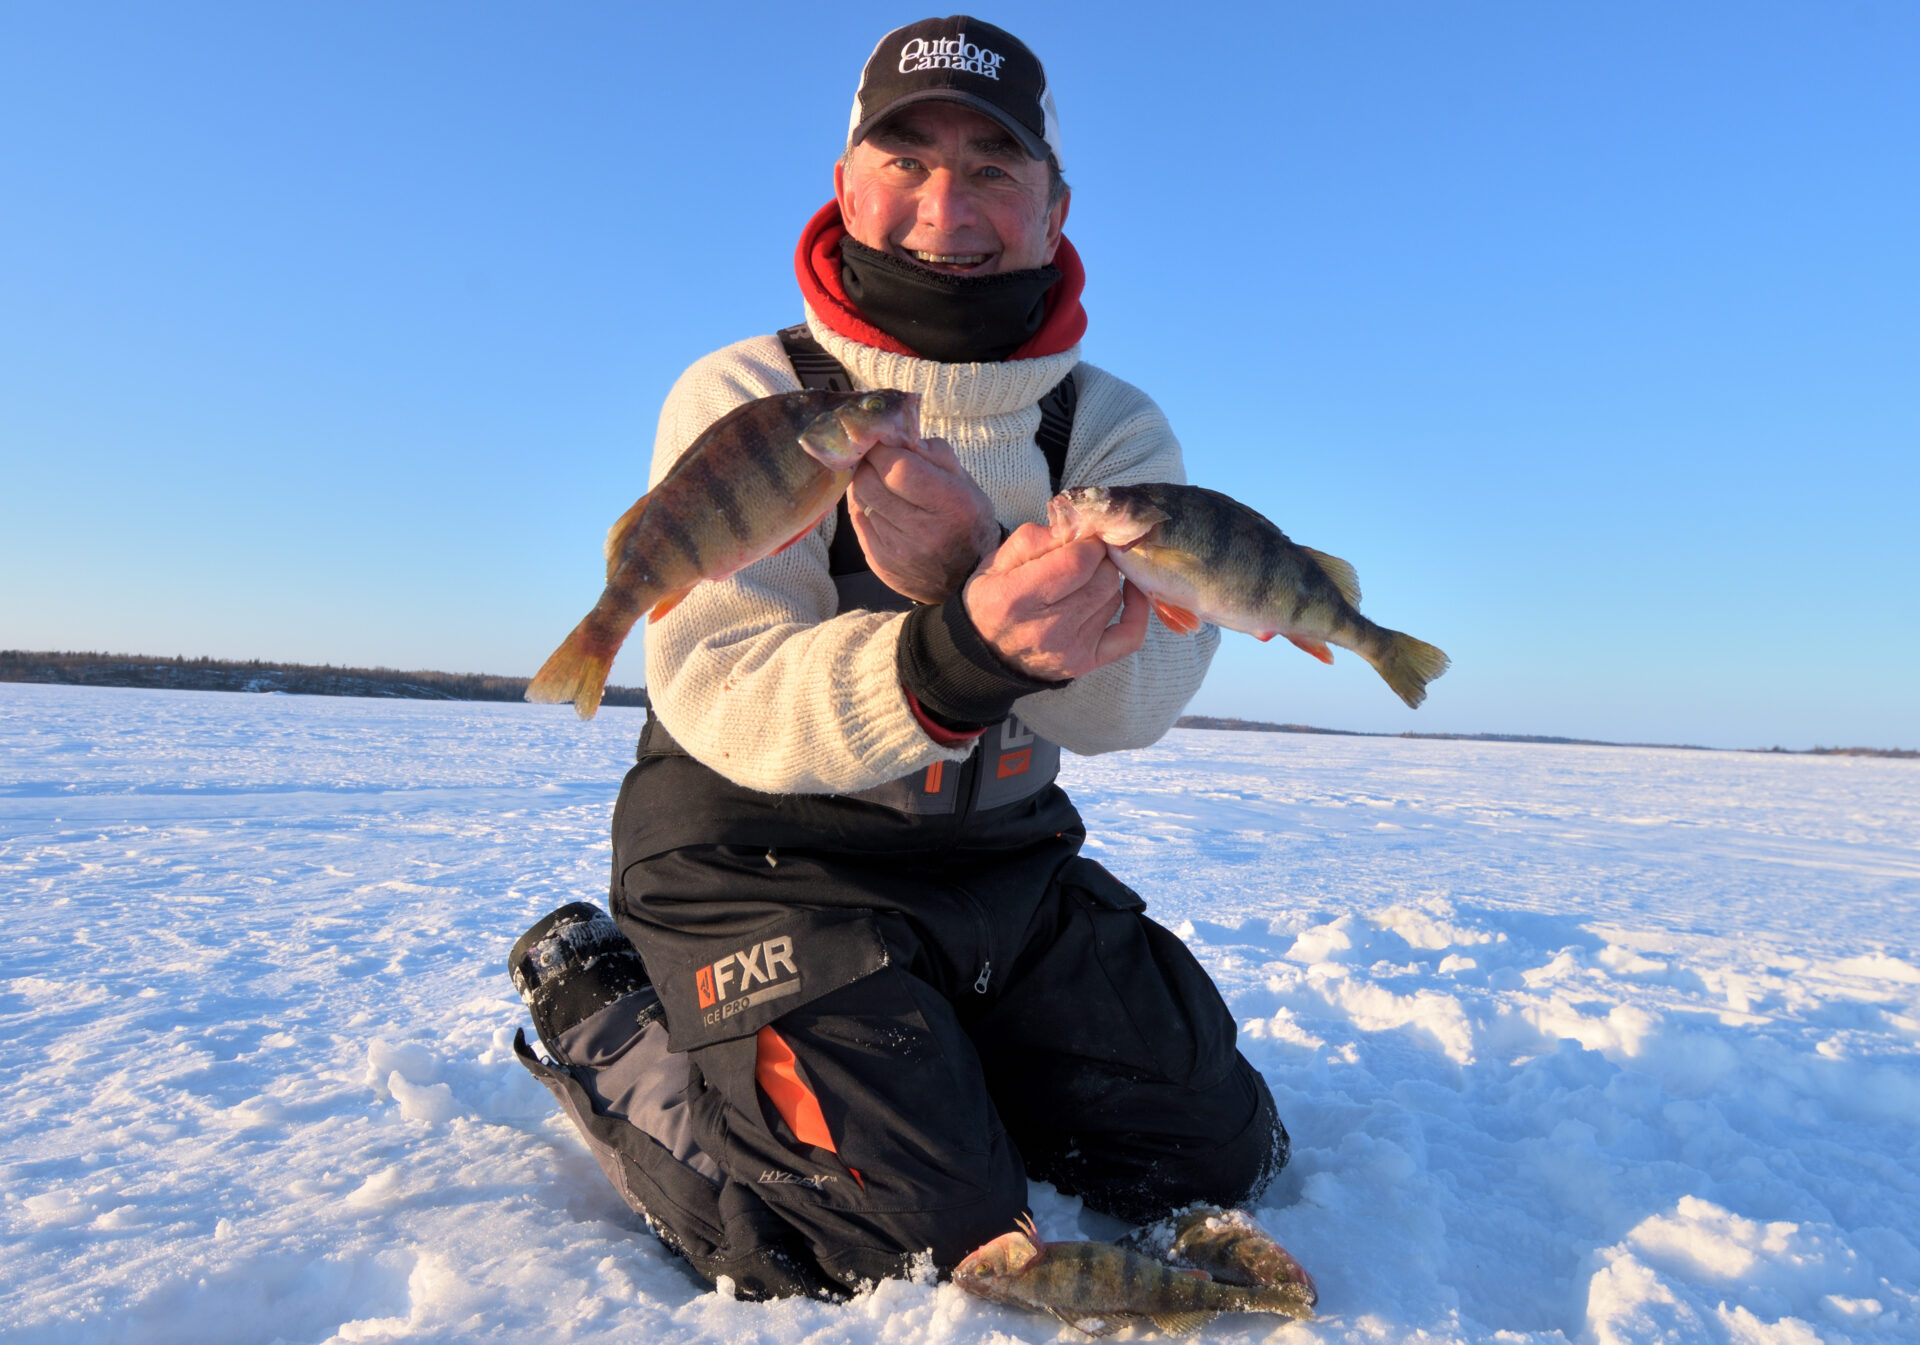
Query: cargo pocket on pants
[(761, 1108), (1183, 1031)]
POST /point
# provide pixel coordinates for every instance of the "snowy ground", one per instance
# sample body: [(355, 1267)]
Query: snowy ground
[(1582, 1043)]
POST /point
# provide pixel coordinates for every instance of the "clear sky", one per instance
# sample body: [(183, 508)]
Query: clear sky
[(1589, 333)]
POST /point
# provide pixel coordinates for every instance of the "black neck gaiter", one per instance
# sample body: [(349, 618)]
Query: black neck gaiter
[(953, 319)]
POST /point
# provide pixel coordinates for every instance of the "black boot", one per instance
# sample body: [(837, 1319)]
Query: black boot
[(570, 965), (600, 1020)]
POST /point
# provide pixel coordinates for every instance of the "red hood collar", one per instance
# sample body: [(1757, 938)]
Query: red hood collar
[(817, 264)]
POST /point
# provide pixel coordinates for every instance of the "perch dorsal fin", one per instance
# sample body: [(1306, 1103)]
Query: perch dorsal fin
[(617, 534), (1341, 573)]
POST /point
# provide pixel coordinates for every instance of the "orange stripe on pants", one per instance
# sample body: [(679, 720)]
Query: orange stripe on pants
[(778, 1074)]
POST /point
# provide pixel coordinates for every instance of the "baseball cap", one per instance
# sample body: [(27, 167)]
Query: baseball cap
[(959, 60)]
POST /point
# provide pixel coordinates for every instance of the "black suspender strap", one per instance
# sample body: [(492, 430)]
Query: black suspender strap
[(1056, 427), (812, 365), (819, 371)]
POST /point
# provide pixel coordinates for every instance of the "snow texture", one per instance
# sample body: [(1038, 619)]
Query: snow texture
[(1584, 1044)]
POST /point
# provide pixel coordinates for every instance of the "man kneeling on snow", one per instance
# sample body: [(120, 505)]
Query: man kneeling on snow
[(881, 987)]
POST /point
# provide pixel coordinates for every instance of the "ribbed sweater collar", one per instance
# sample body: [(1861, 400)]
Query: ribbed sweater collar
[(816, 264), (947, 390)]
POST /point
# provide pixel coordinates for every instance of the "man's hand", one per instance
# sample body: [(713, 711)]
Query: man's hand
[(1044, 604), (922, 521)]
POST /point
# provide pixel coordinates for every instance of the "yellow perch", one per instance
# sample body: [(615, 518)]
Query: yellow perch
[(1097, 1288), (759, 479), (1229, 1246), (1201, 556)]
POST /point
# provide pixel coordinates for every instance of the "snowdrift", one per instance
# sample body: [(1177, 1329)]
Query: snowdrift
[(1575, 1044)]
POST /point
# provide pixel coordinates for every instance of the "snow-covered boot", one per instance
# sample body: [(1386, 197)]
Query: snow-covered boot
[(573, 963)]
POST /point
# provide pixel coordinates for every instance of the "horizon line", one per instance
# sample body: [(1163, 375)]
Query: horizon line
[(80, 668)]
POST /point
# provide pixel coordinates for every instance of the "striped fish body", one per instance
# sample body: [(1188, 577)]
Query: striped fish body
[(1230, 1247), (1202, 556), (758, 480), (1097, 1287)]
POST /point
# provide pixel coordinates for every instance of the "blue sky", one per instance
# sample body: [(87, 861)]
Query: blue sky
[(1589, 334)]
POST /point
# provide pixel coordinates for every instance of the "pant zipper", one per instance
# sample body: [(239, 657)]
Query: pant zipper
[(985, 977)]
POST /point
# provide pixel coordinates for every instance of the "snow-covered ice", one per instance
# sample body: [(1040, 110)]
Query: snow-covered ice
[(1574, 1043)]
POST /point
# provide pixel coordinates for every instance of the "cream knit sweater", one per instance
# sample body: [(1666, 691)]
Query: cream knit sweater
[(762, 678)]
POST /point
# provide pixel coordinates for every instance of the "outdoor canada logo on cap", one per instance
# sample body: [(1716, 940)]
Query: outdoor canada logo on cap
[(959, 60)]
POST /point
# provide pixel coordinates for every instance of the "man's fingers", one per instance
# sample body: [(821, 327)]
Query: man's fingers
[(864, 493), (881, 454), (870, 476), (866, 478), (1097, 609), (936, 453), (883, 520), (879, 533), (1127, 634), (1025, 544), (889, 487), (940, 453), (1071, 575), (915, 480), (1098, 600)]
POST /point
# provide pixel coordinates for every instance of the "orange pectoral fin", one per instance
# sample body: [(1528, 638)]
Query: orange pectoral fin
[(1315, 647), (1178, 619), (668, 603)]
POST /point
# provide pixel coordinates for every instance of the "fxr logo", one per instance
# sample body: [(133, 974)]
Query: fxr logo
[(1015, 754), (758, 964)]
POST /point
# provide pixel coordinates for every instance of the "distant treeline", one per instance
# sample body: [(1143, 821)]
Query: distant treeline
[(308, 679), (1261, 726), (296, 679), (1841, 751)]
